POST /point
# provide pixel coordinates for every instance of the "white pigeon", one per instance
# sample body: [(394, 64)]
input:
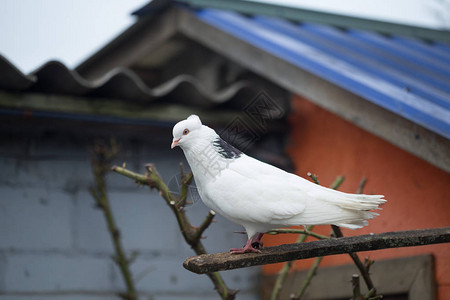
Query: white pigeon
[(258, 196)]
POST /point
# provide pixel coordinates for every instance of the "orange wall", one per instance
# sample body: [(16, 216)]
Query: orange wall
[(418, 193)]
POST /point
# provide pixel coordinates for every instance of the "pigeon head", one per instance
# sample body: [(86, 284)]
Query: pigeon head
[(187, 132)]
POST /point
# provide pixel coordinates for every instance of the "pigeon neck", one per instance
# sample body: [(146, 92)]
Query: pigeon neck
[(208, 159), (226, 150)]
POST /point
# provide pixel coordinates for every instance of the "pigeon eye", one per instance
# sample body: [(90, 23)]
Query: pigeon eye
[(186, 131)]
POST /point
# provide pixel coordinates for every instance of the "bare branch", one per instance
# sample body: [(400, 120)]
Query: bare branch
[(100, 159), (186, 180), (362, 269), (191, 234), (281, 278), (356, 288), (139, 178), (209, 218)]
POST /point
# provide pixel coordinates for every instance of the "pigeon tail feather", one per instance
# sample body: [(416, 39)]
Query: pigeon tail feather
[(345, 210), (357, 201)]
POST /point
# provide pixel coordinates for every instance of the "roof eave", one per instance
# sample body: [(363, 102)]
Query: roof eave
[(140, 38), (397, 130)]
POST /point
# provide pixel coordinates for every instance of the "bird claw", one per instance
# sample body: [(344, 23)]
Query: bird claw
[(258, 245)]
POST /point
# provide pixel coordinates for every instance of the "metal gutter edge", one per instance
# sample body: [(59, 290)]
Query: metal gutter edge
[(306, 15)]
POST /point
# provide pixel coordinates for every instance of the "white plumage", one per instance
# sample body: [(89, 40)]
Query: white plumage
[(261, 197)]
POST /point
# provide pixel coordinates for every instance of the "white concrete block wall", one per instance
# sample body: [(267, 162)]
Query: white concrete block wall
[(54, 243), (31, 218), (55, 272)]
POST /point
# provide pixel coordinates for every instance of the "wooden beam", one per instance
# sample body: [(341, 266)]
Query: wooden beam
[(226, 261), (102, 107), (395, 129)]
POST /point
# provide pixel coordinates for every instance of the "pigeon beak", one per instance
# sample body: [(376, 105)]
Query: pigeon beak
[(174, 143)]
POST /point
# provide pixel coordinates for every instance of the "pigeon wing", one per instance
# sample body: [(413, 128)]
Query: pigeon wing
[(252, 191)]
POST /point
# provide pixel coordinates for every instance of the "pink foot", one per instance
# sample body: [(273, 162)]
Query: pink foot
[(250, 246), (244, 250)]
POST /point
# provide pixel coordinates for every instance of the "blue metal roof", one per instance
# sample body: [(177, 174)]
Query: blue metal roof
[(408, 77)]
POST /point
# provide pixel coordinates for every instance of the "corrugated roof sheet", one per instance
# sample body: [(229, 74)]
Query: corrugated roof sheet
[(408, 77), (121, 83)]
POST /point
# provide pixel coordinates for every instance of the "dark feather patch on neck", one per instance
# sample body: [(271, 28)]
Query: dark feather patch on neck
[(226, 150)]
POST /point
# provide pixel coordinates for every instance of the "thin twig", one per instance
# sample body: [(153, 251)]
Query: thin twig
[(281, 278), (312, 271), (313, 177), (295, 231), (206, 222), (191, 234), (361, 185), (298, 231), (371, 295)]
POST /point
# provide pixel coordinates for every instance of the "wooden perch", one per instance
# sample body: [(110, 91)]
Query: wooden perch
[(226, 261)]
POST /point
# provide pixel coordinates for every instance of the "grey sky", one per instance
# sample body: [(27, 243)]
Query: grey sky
[(35, 31)]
